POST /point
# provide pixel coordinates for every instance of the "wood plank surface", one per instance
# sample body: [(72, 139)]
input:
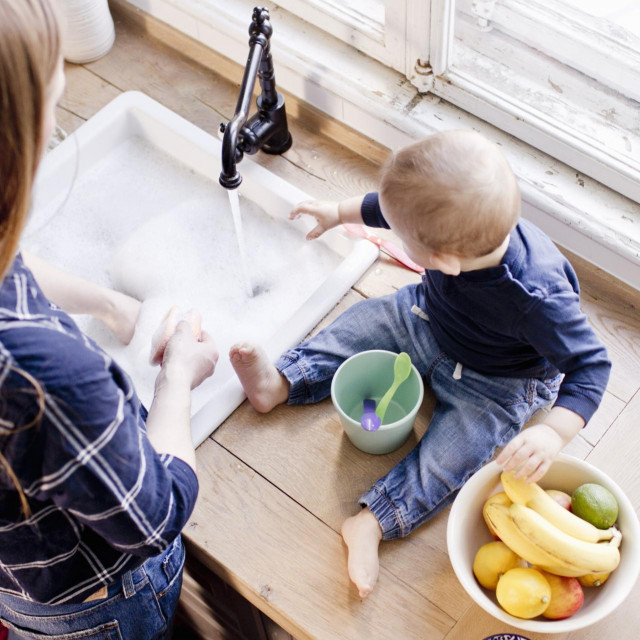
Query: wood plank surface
[(68, 120), (609, 409), (287, 562), (275, 488), (619, 330), (85, 92), (617, 455)]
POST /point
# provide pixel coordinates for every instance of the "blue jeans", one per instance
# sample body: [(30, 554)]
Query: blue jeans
[(473, 416), (139, 606)]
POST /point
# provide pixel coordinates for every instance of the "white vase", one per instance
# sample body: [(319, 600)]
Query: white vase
[(88, 31)]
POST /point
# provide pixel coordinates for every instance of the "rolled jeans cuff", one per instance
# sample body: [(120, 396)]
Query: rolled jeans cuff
[(385, 512), (293, 370)]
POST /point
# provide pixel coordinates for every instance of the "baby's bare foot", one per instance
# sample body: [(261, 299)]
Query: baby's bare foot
[(262, 382), (362, 534)]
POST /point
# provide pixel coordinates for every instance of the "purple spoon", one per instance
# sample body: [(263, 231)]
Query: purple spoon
[(370, 421)]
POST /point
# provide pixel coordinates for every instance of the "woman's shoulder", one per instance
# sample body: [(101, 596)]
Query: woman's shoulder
[(39, 338)]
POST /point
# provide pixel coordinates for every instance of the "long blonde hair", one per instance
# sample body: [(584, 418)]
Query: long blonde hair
[(29, 54), (30, 50)]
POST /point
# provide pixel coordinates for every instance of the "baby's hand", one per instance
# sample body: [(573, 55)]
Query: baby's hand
[(531, 452), (326, 213)]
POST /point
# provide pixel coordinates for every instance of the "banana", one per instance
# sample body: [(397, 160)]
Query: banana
[(499, 520), (535, 497), (496, 498), (578, 555)]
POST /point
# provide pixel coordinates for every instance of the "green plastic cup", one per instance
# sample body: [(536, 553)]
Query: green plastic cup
[(369, 374)]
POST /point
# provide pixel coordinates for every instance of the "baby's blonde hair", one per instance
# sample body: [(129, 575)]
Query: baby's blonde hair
[(454, 191)]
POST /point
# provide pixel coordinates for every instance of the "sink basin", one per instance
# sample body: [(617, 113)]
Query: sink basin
[(131, 200)]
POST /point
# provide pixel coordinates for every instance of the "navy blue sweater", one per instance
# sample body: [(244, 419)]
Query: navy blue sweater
[(521, 318)]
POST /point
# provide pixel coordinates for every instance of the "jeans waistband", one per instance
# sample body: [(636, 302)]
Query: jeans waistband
[(126, 584)]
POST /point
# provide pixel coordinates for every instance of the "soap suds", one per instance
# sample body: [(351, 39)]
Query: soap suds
[(145, 224)]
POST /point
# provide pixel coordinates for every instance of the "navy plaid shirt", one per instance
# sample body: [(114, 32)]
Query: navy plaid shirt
[(101, 499)]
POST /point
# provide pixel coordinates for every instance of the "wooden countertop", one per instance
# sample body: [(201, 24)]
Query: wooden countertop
[(274, 489)]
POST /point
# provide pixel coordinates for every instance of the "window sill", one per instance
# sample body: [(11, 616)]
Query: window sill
[(579, 213)]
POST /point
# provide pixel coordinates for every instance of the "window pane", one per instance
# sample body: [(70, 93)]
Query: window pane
[(372, 9), (367, 25), (534, 54), (618, 16)]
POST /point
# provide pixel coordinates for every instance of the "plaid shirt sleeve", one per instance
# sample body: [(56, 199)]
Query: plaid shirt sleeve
[(100, 466)]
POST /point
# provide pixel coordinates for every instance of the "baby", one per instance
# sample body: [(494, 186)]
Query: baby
[(495, 329)]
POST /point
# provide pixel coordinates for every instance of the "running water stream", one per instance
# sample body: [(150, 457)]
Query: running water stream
[(234, 202)]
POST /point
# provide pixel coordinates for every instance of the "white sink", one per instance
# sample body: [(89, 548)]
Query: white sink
[(146, 215)]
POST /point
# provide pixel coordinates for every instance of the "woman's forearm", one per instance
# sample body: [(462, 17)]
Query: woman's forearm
[(68, 291), (169, 419), (77, 295)]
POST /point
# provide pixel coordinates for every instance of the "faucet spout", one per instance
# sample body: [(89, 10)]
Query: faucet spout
[(267, 129)]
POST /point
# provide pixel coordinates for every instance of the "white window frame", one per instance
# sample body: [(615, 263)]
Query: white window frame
[(398, 43), (382, 41), (417, 40), (571, 37), (614, 169)]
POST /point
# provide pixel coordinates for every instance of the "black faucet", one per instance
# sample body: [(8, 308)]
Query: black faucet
[(267, 129)]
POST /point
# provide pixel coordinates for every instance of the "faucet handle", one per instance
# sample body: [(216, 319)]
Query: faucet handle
[(260, 22), (260, 14)]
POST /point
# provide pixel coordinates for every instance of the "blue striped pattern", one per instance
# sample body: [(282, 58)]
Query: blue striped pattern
[(101, 499)]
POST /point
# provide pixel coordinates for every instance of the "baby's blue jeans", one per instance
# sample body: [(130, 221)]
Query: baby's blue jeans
[(473, 415)]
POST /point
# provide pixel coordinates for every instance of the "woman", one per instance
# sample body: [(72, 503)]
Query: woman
[(92, 499)]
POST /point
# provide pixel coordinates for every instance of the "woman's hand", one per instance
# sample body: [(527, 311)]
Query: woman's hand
[(186, 356), (188, 360), (326, 213)]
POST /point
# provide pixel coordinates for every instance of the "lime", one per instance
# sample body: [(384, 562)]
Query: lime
[(595, 504)]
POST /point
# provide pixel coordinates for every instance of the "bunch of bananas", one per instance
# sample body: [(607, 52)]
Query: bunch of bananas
[(535, 527)]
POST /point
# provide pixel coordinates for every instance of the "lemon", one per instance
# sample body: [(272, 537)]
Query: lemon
[(491, 561), (595, 504), (524, 593), (593, 579)]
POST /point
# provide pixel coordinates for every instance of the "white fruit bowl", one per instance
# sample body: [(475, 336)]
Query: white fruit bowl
[(467, 532)]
